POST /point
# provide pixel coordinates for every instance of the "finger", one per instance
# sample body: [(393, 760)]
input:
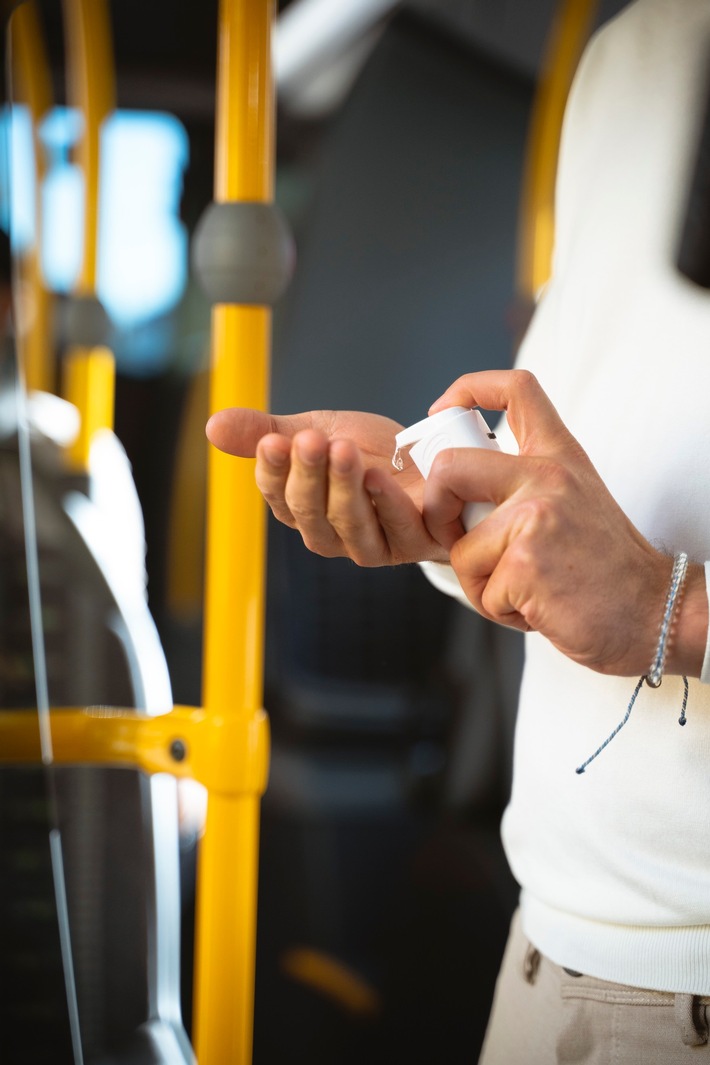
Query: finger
[(350, 510), (475, 475), (481, 561), (532, 417), (401, 521), (306, 492), (443, 505), (496, 602), (273, 465), (237, 430)]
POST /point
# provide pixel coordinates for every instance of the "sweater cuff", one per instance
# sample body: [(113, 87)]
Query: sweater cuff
[(443, 577), (705, 673)]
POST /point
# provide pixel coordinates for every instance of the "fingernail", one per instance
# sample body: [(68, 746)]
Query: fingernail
[(340, 463), (372, 487), (274, 457), (309, 458)]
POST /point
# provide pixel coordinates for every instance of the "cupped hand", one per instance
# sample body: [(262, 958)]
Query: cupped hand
[(557, 555), (329, 475)]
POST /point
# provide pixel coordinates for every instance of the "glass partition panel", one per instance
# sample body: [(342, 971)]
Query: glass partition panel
[(89, 877)]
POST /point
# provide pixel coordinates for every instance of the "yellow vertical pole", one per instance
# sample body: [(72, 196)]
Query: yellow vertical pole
[(568, 36), (89, 371), (234, 594), (31, 67), (91, 89)]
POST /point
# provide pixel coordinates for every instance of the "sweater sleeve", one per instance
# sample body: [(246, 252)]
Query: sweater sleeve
[(705, 674), (443, 577)]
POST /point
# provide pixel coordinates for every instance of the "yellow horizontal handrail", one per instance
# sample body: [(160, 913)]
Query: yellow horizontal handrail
[(227, 754)]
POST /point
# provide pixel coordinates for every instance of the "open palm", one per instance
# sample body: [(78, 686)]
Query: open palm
[(329, 474)]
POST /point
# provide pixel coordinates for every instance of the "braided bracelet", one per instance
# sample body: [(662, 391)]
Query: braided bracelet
[(680, 570), (655, 674)]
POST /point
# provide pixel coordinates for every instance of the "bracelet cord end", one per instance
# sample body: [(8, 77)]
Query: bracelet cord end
[(654, 677)]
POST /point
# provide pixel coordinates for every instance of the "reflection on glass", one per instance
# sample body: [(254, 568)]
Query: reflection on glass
[(142, 243)]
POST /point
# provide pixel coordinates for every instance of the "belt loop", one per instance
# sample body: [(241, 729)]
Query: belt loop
[(691, 1018), (531, 964)]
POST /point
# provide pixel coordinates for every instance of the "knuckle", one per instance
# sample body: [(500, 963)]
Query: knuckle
[(442, 463), (356, 539), (524, 382), (278, 506), (365, 560), (542, 539), (489, 604), (523, 565), (269, 487), (304, 510), (304, 515), (284, 516), (539, 517), (347, 526), (275, 499), (464, 381), (398, 552), (556, 476), (318, 546)]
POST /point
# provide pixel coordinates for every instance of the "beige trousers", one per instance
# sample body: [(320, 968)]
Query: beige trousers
[(544, 1015)]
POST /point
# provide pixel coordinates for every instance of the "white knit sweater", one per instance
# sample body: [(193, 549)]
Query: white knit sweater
[(615, 864)]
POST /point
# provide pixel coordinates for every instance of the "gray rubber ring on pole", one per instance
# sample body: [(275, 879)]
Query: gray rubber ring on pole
[(243, 252), (83, 322)]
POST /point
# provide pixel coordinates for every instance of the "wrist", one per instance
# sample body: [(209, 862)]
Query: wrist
[(688, 639)]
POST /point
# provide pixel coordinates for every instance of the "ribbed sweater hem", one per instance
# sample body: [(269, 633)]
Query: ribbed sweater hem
[(674, 959)]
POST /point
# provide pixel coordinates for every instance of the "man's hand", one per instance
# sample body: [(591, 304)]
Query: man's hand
[(558, 555), (329, 474)]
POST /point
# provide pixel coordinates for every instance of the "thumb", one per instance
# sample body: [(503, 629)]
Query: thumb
[(237, 430), (535, 423)]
